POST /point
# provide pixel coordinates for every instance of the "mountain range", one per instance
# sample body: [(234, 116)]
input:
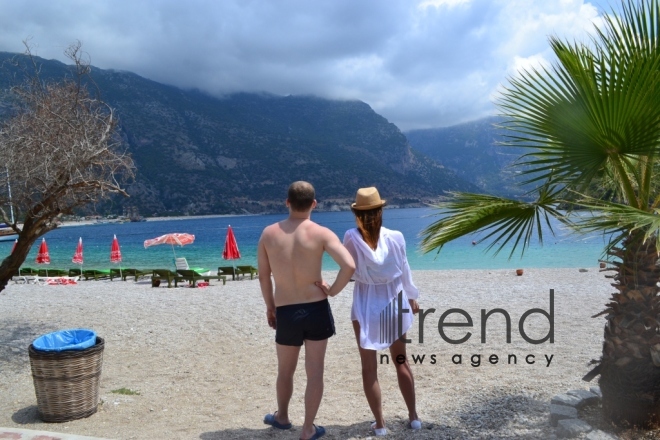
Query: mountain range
[(201, 154), (474, 151)]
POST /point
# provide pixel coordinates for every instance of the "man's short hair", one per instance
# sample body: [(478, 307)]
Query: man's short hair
[(301, 195)]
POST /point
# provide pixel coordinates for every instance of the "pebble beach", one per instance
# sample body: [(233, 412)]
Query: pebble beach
[(201, 364)]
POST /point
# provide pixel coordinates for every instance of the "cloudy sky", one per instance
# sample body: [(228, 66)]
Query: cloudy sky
[(419, 63)]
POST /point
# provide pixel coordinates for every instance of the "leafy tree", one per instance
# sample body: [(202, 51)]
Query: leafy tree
[(590, 126), (60, 150)]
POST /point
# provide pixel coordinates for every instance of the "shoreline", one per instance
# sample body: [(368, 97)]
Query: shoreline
[(193, 217), (204, 363)]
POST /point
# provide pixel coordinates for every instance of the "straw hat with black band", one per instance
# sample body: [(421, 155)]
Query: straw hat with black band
[(367, 198)]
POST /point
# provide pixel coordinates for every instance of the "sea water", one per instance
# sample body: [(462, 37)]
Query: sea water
[(564, 249)]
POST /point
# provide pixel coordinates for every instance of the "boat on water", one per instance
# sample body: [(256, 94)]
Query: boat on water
[(7, 233)]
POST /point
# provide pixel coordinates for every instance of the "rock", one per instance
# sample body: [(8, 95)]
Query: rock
[(584, 270), (561, 412), (566, 400), (599, 435), (596, 391), (586, 397), (571, 428)]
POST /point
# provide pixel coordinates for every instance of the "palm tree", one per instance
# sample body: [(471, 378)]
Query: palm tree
[(591, 125)]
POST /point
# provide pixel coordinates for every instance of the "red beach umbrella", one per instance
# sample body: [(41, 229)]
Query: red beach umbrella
[(13, 248), (231, 252), (78, 256), (115, 253), (42, 256)]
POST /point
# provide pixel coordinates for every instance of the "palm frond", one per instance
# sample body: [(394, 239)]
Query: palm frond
[(504, 221), (594, 112), (619, 220)]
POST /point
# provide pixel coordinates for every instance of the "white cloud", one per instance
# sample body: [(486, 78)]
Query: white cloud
[(419, 64)]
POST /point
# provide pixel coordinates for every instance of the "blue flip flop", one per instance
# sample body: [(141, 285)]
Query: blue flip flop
[(269, 419), (320, 432)]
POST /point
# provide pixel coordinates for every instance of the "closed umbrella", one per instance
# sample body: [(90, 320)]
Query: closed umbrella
[(78, 256), (13, 248), (231, 252), (42, 256), (115, 253), (176, 238)]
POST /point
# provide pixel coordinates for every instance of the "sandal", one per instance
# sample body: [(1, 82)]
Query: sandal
[(269, 419)]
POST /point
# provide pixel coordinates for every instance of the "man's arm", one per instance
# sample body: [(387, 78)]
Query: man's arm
[(343, 258), (266, 282)]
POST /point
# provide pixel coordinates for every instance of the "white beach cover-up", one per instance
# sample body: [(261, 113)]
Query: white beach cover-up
[(379, 277)]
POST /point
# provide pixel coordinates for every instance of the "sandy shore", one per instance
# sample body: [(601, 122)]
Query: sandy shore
[(203, 360)]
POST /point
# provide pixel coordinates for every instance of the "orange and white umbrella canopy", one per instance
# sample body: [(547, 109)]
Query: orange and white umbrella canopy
[(179, 239)]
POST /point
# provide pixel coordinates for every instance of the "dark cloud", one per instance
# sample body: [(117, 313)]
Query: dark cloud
[(418, 63)]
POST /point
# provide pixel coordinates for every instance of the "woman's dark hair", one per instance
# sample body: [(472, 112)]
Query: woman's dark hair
[(369, 222)]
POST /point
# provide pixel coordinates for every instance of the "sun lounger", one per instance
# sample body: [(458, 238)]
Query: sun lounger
[(125, 273), (193, 277), (244, 270), (27, 271), (164, 274), (182, 264), (227, 270), (25, 275), (135, 273), (96, 274), (52, 273)]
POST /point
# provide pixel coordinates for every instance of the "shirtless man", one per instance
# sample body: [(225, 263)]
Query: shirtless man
[(298, 309)]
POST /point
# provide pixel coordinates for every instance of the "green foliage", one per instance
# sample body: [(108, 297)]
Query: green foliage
[(125, 392)]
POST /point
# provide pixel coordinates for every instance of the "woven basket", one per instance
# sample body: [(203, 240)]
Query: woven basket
[(67, 382)]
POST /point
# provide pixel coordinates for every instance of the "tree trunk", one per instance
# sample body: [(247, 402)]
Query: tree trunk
[(32, 230), (630, 365)]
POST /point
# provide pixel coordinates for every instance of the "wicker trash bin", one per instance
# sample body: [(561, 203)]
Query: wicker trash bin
[(67, 382)]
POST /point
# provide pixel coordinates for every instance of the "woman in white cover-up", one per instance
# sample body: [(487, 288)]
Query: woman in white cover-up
[(383, 291)]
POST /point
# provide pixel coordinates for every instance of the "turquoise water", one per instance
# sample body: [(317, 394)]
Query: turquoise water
[(564, 250)]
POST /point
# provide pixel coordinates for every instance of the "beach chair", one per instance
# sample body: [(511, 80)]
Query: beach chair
[(228, 270), (27, 271), (192, 277), (117, 273), (164, 274), (25, 274), (244, 270), (43, 273), (96, 274), (182, 264), (136, 273)]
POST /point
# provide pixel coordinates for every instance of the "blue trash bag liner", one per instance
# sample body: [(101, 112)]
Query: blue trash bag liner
[(72, 339)]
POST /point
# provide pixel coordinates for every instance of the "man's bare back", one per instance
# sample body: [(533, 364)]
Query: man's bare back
[(295, 250)]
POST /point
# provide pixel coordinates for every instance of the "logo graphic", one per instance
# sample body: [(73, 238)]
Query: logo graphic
[(390, 320)]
